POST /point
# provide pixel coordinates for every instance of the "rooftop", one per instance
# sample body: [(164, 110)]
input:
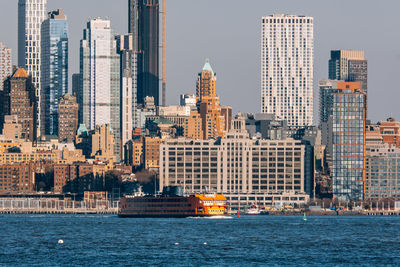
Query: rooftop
[(20, 73), (207, 66)]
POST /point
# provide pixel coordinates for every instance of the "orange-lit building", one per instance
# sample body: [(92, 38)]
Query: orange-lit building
[(193, 126), (152, 152), (390, 132), (213, 120)]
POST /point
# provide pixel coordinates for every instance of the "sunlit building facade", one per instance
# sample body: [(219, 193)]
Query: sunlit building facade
[(99, 93), (287, 68), (348, 142), (5, 64), (31, 14)]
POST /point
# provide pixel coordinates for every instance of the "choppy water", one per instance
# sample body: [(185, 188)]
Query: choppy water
[(246, 241)]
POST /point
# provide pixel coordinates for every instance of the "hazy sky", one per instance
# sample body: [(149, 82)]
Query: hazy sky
[(228, 32)]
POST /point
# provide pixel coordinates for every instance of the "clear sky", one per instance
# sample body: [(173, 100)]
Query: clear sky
[(228, 32)]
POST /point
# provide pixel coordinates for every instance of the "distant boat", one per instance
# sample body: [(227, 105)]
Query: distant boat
[(253, 210), (304, 217)]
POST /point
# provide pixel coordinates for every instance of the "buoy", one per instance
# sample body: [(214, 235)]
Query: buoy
[(176, 243), (60, 241), (205, 243), (238, 214)]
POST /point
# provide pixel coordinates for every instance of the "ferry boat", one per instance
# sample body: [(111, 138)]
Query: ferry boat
[(172, 203), (253, 210)]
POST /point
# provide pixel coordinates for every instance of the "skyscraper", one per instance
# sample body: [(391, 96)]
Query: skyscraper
[(5, 64), (144, 25), (128, 70), (287, 66), (31, 14), (99, 94), (54, 68), (18, 98), (349, 66), (213, 124), (348, 141)]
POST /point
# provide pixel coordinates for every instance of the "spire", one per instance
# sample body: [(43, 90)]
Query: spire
[(207, 66)]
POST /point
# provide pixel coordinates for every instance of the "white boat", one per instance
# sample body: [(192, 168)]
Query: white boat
[(253, 210)]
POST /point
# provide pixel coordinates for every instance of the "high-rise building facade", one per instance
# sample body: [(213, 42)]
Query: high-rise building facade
[(287, 67), (128, 70), (67, 118), (31, 14), (144, 25), (349, 66), (327, 88), (5, 64), (213, 123), (348, 142), (19, 99), (99, 94), (54, 68)]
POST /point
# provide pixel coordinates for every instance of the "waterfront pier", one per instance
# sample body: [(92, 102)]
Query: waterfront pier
[(56, 206)]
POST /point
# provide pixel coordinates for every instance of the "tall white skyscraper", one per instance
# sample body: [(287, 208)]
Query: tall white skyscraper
[(31, 14), (128, 72), (287, 66), (99, 94), (5, 64)]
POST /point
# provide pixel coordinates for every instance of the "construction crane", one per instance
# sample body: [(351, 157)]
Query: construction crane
[(164, 39)]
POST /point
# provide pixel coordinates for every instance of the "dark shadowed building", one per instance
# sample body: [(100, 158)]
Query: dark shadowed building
[(144, 25), (18, 98)]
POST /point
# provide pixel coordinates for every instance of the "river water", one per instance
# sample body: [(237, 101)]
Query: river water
[(98, 240)]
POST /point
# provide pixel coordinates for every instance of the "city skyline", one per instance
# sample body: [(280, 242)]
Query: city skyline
[(379, 46)]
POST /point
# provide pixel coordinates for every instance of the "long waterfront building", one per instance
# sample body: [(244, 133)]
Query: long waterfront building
[(247, 171)]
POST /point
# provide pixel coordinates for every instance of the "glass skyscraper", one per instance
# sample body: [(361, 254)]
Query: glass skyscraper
[(348, 141), (144, 25), (54, 72), (99, 94)]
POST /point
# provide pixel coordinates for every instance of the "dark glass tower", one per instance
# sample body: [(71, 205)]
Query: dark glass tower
[(144, 25)]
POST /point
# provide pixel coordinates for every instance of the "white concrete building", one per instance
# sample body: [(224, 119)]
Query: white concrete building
[(247, 171), (5, 64), (287, 66), (100, 78), (31, 14)]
